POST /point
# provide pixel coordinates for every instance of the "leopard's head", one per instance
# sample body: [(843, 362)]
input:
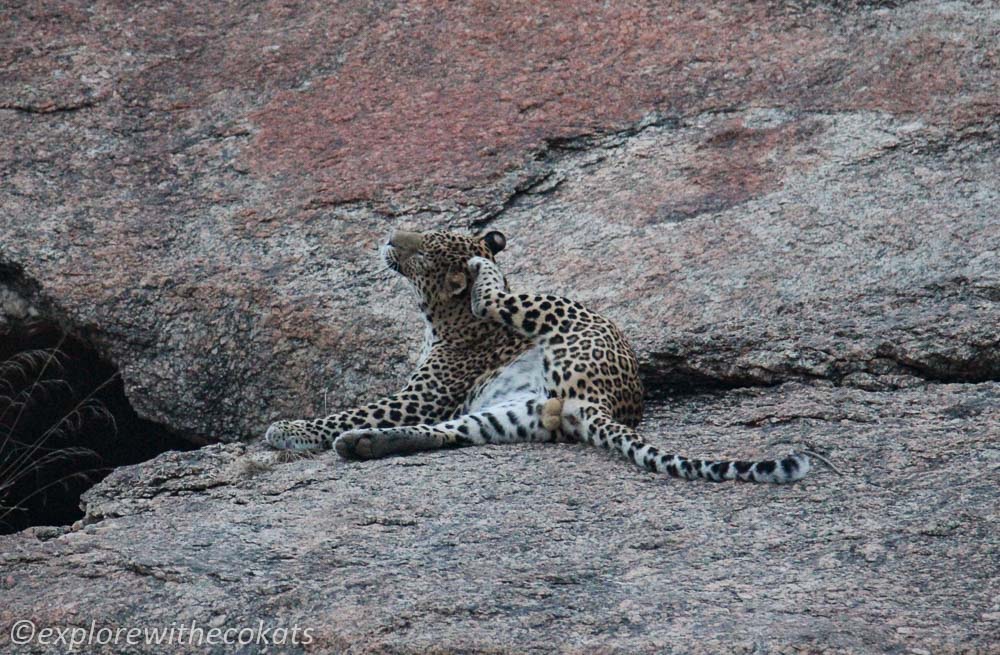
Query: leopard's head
[(435, 264)]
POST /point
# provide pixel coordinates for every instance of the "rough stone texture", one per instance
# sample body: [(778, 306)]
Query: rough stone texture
[(797, 189), (756, 246), (796, 198), (532, 548)]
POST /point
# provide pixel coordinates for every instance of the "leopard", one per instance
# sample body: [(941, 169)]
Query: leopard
[(499, 367)]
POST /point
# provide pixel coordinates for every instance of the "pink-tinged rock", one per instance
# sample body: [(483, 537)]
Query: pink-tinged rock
[(436, 100), (766, 192)]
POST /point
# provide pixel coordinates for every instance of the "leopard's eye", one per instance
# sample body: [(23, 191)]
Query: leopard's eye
[(495, 241)]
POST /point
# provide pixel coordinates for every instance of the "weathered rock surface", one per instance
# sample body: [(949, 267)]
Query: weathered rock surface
[(758, 193), (797, 198), (558, 547)]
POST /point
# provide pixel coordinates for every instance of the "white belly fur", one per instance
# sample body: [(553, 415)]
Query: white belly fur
[(520, 380)]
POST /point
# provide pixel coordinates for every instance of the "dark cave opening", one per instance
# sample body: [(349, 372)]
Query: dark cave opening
[(65, 424)]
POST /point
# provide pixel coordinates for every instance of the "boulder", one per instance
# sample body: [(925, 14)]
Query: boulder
[(530, 548), (790, 208), (756, 192)]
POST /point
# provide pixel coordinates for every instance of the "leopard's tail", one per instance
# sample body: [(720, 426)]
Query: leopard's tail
[(592, 426), (778, 471)]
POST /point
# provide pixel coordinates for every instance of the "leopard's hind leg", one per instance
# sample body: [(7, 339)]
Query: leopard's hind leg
[(510, 422), (530, 315)]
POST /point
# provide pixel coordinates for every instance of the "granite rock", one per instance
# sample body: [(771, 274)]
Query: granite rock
[(790, 207), (530, 548), (757, 192)]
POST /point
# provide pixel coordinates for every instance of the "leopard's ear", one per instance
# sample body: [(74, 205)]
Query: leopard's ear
[(495, 241), (456, 282)]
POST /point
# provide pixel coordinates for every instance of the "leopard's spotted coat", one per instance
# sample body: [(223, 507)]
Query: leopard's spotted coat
[(501, 367)]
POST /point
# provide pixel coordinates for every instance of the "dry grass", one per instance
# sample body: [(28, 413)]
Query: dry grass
[(37, 431)]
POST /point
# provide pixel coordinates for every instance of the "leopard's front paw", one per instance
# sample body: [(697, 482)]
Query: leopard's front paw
[(293, 435)]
